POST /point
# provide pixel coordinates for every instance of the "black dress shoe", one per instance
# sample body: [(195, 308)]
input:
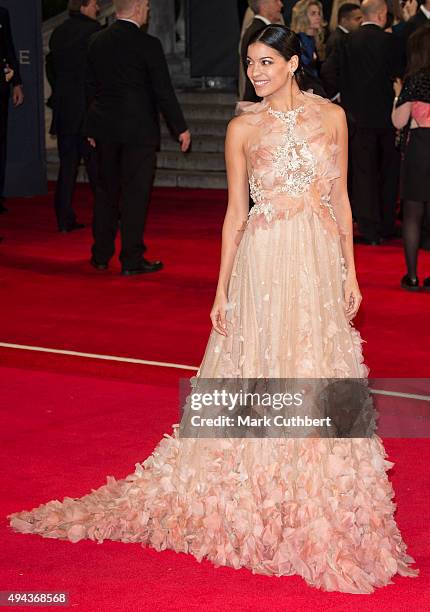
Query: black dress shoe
[(369, 241), (426, 284), (72, 228), (98, 266), (144, 268), (409, 284)]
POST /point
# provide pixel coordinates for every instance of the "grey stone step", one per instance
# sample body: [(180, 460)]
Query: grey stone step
[(209, 162), (207, 97), (200, 145), (191, 178), (209, 112), (202, 127), (164, 177), (204, 143), (174, 160)]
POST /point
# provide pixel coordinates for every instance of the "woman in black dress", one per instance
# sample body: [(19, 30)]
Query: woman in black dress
[(412, 113)]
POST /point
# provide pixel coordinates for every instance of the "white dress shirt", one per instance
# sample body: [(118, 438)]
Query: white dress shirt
[(130, 20), (263, 19)]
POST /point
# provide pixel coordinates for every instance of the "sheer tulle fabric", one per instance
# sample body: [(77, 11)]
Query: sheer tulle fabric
[(319, 508)]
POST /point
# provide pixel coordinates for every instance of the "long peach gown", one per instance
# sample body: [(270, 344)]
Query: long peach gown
[(319, 508)]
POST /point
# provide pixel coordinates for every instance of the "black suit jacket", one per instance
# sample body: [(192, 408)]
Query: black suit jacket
[(65, 68), (334, 40), (369, 60), (330, 68), (256, 26), (128, 83), (7, 52)]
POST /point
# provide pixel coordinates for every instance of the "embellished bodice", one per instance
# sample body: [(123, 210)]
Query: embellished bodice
[(291, 160)]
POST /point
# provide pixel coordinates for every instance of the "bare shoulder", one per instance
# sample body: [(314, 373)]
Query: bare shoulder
[(334, 113), (238, 128), (335, 120)]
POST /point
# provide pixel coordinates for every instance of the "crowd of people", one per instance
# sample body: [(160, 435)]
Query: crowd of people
[(372, 58)]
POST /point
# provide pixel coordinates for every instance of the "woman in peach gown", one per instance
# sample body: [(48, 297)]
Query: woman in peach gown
[(287, 293)]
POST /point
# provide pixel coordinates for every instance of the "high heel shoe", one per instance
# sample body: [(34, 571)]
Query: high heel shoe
[(409, 284)]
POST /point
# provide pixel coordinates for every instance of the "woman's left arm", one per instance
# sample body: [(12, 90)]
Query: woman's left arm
[(343, 214), (400, 115)]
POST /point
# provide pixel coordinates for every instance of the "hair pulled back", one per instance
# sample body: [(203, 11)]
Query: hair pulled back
[(285, 42)]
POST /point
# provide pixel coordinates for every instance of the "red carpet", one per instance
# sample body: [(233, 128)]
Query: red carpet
[(68, 422)]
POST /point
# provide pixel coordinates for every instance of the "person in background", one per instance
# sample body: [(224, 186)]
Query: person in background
[(412, 109), (420, 18), (265, 12), (334, 15), (348, 19), (8, 65), (128, 84), (307, 22), (369, 60), (65, 65)]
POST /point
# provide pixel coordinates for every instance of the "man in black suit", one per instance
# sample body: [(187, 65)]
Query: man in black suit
[(369, 61), (128, 83), (349, 18), (265, 13), (65, 65), (7, 60)]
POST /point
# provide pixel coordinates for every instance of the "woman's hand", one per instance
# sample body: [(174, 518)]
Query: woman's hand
[(217, 315), (352, 297), (397, 86), (409, 9)]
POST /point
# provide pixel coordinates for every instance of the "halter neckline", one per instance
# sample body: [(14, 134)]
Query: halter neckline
[(285, 115)]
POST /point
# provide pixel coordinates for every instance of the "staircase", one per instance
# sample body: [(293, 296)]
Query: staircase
[(207, 112)]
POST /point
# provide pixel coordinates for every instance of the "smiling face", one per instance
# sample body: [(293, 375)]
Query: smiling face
[(314, 17), (267, 70)]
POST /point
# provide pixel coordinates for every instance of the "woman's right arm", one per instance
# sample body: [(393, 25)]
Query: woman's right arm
[(235, 217)]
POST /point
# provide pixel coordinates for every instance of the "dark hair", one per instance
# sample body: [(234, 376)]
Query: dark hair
[(346, 9), (419, 50), (75, 5), (285, 42)]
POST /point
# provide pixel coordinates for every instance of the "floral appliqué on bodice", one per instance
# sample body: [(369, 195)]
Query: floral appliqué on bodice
[(291, 161)]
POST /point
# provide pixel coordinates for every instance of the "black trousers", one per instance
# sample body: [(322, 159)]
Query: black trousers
[(375, 180), (124, 182), (4, 111), (72, 148)]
